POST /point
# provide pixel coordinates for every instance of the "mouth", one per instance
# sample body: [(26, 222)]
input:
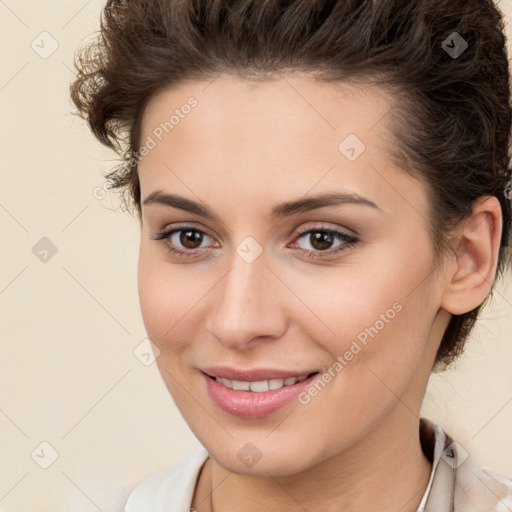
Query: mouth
[(256, 397)]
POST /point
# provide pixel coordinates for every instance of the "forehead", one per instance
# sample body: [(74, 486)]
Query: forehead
[(292, 131), (292, 107)]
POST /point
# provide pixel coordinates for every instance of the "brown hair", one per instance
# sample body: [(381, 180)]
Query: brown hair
[(451, 127)]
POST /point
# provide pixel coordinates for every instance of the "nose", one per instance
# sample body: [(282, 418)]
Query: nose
[(247, 304)]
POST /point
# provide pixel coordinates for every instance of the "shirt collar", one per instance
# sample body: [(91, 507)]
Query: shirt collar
[(442, 452)]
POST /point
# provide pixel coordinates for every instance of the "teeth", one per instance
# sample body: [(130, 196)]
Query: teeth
[(260, 386)]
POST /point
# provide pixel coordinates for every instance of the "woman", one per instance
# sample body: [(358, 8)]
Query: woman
[(322, 193)]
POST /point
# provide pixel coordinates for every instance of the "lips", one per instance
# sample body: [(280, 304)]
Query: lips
[(237, 400)]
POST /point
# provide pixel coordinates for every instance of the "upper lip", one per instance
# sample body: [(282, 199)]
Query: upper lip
[(254, 375)]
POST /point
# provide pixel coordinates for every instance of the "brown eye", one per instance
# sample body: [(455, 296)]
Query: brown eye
[(321, 240), (190, 238), (184, 241)]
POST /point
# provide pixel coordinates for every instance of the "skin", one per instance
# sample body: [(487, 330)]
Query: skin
[(243, 149)]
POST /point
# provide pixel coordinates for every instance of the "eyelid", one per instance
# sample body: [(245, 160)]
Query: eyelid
[(325, 226), (182, 227)]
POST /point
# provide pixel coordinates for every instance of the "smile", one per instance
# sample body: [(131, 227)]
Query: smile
[(261, 385), (256, 398)]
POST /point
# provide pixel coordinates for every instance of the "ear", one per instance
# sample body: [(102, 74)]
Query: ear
[(472, 269)]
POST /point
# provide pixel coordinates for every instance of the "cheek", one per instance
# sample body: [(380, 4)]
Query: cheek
[(369, 319), (171, 297), (161, 297), (375, 354), (166, 300), (356, 303)]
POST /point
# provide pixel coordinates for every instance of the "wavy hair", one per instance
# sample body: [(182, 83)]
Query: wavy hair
[(450, 129)]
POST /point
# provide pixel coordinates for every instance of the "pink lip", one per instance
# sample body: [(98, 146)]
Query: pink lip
[(254, 375), (250, 404)]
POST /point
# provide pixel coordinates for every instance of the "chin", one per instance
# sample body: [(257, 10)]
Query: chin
[(286, 461)]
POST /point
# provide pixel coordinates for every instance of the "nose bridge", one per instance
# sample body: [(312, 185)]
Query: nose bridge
[(245, 303)]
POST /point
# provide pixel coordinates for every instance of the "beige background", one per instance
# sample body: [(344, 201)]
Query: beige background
[(68, 374)]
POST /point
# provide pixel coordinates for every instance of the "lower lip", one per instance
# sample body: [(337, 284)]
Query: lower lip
[(251, 404)]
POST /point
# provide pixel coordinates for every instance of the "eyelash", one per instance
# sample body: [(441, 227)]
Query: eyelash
[(350, 241)]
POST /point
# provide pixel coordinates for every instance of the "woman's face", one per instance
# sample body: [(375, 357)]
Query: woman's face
[(267, 277)]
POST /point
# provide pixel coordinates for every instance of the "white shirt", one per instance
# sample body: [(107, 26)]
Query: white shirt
[(457, 483)]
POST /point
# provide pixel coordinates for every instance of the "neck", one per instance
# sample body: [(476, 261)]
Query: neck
[(385, 471)]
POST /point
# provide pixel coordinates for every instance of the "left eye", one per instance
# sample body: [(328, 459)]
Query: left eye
[(188, 237), (321, 239)]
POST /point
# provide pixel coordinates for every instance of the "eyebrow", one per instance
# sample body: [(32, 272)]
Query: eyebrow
[(278, 212)]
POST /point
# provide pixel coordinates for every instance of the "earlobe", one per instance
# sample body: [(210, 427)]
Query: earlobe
[(476, 250)]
